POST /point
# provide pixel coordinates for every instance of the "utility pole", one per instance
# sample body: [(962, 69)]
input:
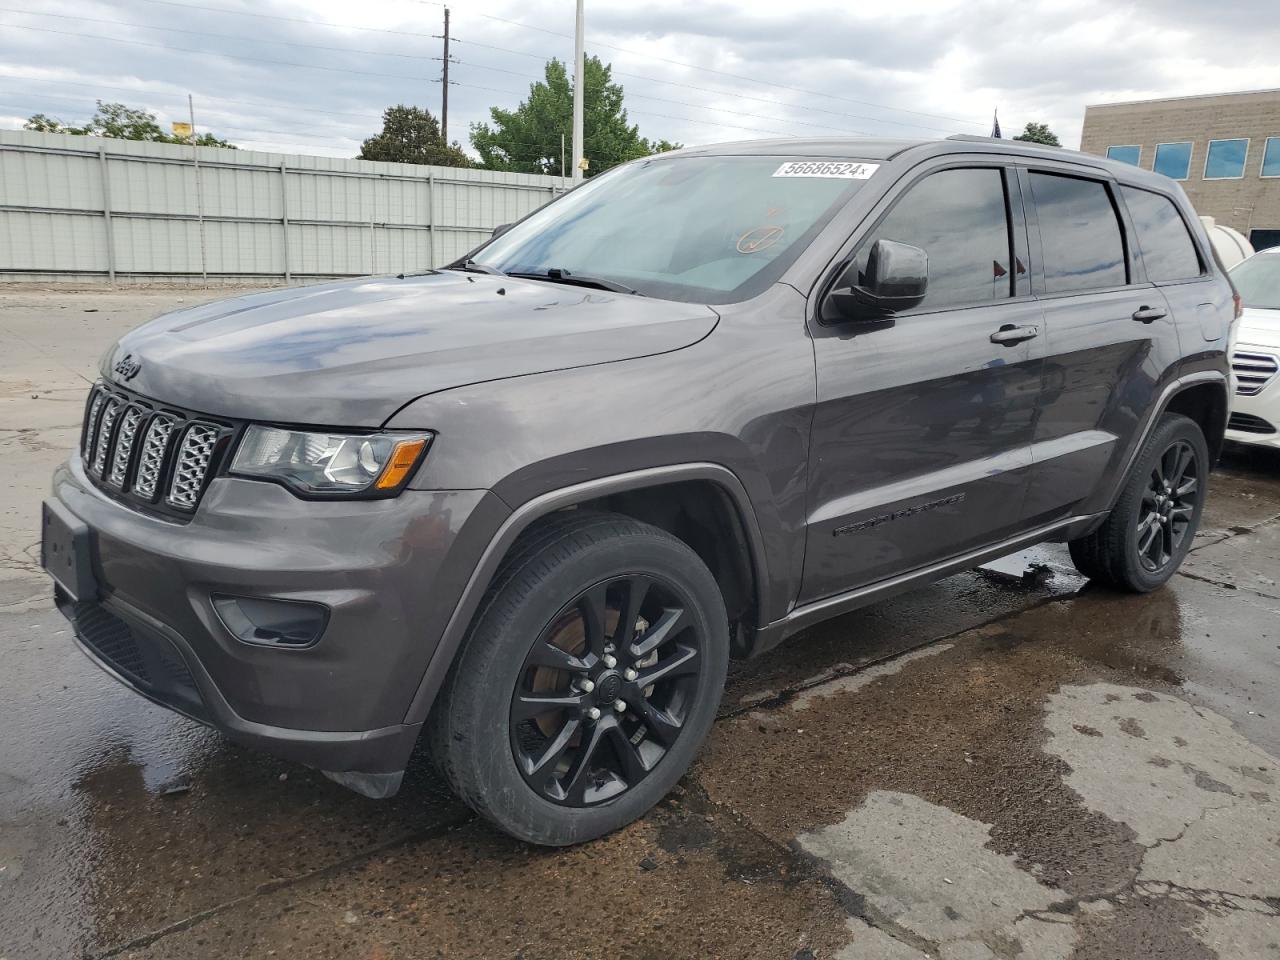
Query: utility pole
[(579, 81), (444, 95)]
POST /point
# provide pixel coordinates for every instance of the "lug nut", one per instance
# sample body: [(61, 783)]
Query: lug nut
[(593, 713), (586, 686), (620, 705), (610, 661), (630, 674)]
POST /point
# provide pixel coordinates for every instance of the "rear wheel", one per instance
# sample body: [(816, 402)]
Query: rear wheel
[(1151, 529), (590, 679)]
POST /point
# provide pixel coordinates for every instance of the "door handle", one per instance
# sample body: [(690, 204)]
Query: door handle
[(1010, 334), (1149, 314)]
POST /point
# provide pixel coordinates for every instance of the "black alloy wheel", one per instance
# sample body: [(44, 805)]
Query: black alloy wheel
[(606, 690), (1152, 526), (1168, 506)]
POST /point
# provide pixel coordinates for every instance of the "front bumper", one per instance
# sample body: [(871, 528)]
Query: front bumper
[(388, 571), (1256, 419)]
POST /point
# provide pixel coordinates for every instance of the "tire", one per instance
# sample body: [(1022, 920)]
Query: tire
[(537, 662), (1125, 553)]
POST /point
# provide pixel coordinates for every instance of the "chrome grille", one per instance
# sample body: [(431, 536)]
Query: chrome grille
[(1253, 372), (193, 463), (125, 436), (156, 459), (151, 461), (110, 410), (91, 424)]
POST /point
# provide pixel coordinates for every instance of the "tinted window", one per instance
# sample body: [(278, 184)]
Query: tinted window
[(1130, 155), (1226, 159), (958, 218), (1080, 233), (1167, 248), (1271, 158), (1173, 160)]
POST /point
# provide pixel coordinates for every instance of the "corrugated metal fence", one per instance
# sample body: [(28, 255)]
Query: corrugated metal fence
[(84, 208)]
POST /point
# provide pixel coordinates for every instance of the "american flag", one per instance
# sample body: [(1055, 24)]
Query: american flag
[(995, 124)]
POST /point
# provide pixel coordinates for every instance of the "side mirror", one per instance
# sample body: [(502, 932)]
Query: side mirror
[(895, 279), (500, 229)]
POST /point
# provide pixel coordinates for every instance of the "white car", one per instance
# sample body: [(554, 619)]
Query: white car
[(1255, 358)]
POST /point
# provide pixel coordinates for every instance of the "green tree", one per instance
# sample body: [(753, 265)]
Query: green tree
[(528, 138), (119, 122), (1039, 133), (412, 135)]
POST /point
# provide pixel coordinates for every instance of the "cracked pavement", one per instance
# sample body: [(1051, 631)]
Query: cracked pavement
[(1010, 763)]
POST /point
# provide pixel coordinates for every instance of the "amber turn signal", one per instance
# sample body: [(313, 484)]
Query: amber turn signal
[(403, 458)]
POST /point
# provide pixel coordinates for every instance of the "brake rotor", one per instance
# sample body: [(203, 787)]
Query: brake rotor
[(569, 635)]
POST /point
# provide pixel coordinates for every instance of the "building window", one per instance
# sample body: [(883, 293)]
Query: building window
[(1225, 160), (1271, 158), (1130, 154), (1173, 160)]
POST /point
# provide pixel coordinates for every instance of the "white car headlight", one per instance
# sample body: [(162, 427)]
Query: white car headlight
[(330, 464)]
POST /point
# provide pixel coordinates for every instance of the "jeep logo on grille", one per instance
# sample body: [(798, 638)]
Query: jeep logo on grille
[(128, 367)]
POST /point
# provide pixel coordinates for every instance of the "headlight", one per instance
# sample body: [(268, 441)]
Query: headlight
[(328, 464)]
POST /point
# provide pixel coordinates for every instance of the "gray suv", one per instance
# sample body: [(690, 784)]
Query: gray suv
[(528, 506)]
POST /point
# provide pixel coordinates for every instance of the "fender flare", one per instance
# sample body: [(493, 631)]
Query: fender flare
[(523, 516), (1171, 390)]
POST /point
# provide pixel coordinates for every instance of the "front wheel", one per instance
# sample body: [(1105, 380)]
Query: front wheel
[(589, 680), (1153, 524)]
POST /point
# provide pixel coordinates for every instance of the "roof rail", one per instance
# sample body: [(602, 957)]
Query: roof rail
[(973, 138)]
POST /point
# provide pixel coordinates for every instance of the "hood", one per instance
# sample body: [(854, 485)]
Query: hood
[(1259, 328), (351, 353)]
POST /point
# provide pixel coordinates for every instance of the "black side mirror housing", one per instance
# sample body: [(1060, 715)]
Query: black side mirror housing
[(896, 278), (500, 229)]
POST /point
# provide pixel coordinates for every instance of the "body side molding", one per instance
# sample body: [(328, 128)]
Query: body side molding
[(808, 614)]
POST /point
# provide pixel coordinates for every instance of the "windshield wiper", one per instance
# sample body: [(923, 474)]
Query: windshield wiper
[(560, 275), (474, 266)]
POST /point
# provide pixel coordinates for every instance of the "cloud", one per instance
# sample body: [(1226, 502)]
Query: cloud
[(315, 76)]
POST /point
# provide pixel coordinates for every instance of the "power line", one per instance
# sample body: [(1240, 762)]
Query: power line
[(231, 56), (565, 36), (397, 76), (683, 103), (223, 36), (723, 73), (717, 91), (179, 98), (203, 99), (480, 66), (307, 20)]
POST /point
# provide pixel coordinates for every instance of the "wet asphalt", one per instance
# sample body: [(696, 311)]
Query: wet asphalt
[(1010, 763)]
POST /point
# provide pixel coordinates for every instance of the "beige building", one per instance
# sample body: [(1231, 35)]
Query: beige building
[(1224, 149)]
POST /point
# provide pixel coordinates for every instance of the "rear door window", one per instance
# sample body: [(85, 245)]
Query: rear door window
[(960, 219), (1167, 248), (1080, 233)]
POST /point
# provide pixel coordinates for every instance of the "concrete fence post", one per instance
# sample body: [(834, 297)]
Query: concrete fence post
[(431, 221), (106, 214), (284, 218)]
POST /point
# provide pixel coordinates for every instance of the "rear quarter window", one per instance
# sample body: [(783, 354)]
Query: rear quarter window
[(1163, 239)]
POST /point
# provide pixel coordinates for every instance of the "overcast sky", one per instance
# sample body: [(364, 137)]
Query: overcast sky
[(313, 77)]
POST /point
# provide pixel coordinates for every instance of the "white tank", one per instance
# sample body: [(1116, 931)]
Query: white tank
[(1230, 245)]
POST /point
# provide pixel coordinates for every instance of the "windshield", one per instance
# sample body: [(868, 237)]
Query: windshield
[(699, 229), (1257, 281)]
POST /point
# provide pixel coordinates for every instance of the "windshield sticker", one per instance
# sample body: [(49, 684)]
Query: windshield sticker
[(830, 169), (753, 241)]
